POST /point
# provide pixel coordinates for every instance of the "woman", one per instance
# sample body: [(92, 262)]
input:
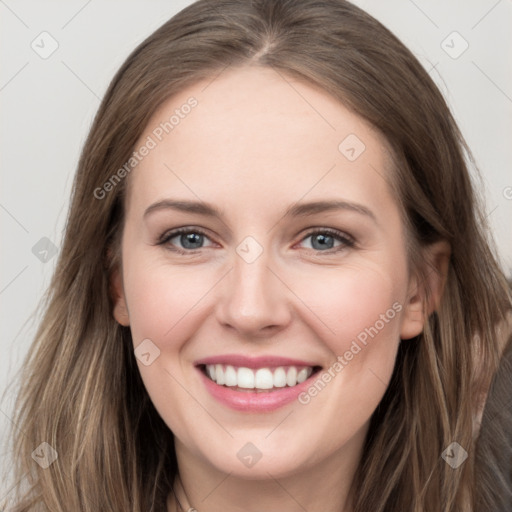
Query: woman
[(275, 289)]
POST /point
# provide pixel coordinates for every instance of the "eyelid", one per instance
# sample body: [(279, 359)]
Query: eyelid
[(171, 233)]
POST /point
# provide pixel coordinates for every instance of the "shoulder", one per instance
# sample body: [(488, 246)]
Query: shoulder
[(493, 457)]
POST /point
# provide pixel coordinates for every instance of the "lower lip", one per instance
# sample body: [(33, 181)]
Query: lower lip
[(255, 401)]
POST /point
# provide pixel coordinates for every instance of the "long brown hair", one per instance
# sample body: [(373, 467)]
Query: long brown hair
[(82, 393)]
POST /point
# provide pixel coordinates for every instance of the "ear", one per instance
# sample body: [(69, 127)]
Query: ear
[(420, 304), (117, 290)]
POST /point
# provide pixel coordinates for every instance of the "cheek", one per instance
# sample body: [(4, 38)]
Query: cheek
[(164, 304), (353, 300), (361, 308), (163, 299)]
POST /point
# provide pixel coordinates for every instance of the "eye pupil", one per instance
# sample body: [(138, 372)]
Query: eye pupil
[(191, 240), (321, 241)]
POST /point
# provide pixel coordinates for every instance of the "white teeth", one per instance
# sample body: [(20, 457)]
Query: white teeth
[(302, 375), (230, 376), (262, 378), (219, 374), (245, 377), (279, 377), (291, 376)]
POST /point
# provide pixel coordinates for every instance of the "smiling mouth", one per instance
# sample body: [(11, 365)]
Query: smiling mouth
[(257, 380)]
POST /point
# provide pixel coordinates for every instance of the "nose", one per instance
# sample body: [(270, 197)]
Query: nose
[(254, 300)]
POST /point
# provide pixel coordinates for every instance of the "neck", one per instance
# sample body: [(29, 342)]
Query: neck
[(325, 486)]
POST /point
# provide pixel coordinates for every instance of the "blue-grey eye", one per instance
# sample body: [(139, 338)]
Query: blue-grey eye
[(321, 241), (326, 240), (191, 240), (185, 239)]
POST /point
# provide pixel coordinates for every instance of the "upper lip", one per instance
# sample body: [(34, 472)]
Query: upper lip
[(253, 362)]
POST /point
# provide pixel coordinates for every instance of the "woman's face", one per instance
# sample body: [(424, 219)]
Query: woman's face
[(291, 265)]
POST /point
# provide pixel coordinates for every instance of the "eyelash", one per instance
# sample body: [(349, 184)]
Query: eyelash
[(346, 241)]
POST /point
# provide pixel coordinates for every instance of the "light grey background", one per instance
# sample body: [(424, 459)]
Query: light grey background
[(48, 105)]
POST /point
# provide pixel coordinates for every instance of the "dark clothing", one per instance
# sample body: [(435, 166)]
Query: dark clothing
[(494, 446)]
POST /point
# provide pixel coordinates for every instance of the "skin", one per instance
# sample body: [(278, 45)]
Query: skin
[(255, 145)]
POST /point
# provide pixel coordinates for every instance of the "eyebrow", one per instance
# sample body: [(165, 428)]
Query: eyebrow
[(305, 209), (297, 210), (198, 207)]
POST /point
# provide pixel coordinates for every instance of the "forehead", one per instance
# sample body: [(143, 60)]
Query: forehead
[(255, 132)]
